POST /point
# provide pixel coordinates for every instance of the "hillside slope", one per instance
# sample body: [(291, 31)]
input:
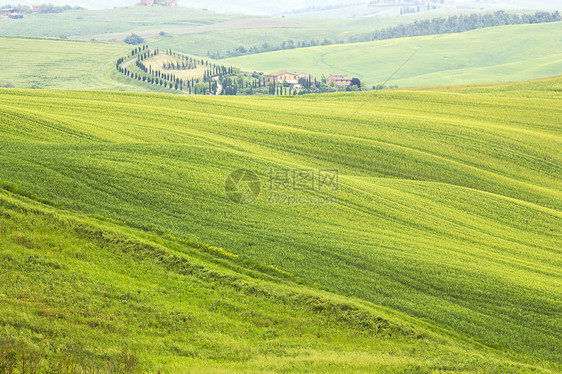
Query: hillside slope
[(498, 54), (61, 64), (117, 20), (79, 294), (447, 208), (65, 64)]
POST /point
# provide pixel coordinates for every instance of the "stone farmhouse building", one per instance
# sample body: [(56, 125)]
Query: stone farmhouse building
[(338, 80), (285, 76), (9, 14)]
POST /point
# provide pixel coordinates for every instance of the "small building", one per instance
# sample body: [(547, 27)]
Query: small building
[(338, 80), (284, 76), (10, 14), (272, 77)]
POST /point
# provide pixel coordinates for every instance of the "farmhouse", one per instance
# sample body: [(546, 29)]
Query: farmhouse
[(284, 76), (9, 14), (5, 13), (338, 80)]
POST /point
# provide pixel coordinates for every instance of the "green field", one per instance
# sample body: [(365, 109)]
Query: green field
[(63, 64), (198, 32), (37, 63), (118, 20), (82, 295), (221, 41), (488, 55), (448, 207), (498, 54)]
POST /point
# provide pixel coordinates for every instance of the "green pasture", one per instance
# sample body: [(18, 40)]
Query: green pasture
[(118, 20), (40, 63), (447, 207), (498, 54), (81, 294)]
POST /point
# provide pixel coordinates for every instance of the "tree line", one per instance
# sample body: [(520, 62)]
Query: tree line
[(142, 73), (215, 78), (455, 24)]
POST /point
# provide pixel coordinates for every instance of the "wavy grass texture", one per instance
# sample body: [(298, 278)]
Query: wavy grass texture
[(448, 207)]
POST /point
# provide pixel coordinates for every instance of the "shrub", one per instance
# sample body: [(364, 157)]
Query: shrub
[(134, 39)]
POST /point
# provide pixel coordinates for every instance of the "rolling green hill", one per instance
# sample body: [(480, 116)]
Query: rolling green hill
[(205, 33), (64, 64), (40, 63), (118, 20), (508, 53), (447, 206), (491, 54), (81, 294)]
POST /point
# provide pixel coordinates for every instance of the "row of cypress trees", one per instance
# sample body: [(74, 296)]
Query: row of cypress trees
[(170, 80)]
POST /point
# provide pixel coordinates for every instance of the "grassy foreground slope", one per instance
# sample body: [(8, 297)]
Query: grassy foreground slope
[(498, 54), (83, 295), (448, 206)]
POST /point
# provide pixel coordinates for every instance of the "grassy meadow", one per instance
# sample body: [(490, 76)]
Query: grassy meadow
[(40, 63), (222, 40), (198, 32), (488, 55), (81, 294), (448, 206), (498, 54), (78, 23)]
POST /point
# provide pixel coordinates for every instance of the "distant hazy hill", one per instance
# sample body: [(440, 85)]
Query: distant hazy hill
[(100, 4), (262, 7)]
